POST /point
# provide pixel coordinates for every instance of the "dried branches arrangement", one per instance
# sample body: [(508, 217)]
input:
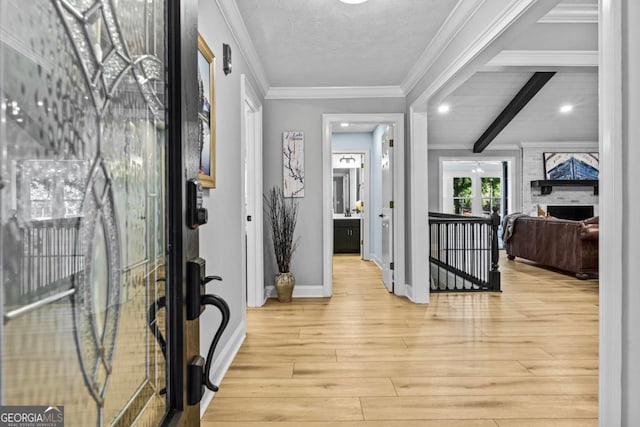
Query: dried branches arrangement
[(283, 215)]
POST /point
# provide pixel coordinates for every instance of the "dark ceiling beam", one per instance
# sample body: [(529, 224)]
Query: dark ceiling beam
[(522, 98)]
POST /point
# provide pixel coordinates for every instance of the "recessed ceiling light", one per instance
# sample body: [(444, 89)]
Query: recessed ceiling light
[(344, 125), (566, 108), (444, 108), (353, 1)]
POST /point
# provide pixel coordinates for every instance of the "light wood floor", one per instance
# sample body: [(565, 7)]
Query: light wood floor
[(527, 357)]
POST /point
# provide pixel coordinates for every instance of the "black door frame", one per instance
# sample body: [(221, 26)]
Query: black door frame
[(182, 242)]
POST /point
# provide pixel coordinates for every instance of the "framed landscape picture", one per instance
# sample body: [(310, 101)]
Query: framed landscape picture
[(206, 115), (573, 166)]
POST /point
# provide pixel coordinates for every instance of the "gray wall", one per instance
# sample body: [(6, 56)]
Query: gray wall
[(306, 115), (372, 142), (630, 208), (220, 239), (434, 173)]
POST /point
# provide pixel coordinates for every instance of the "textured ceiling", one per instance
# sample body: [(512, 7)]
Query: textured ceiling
[(316, 43), (328, 43), (476, 104)]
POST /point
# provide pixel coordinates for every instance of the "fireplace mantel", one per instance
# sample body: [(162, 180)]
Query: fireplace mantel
[(546, 185)]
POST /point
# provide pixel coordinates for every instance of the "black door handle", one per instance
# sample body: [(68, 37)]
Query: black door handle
[(381, 215), (249, 218), (199, 369)]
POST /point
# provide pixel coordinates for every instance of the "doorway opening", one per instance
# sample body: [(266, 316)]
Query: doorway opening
[(351, 195), (474, 187), (251, 173), (363, 193)]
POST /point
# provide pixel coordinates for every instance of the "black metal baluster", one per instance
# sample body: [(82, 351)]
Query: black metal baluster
[(455, 249), (494, 276), (439, 227), (464, 247), (484, 254), (446, 254)]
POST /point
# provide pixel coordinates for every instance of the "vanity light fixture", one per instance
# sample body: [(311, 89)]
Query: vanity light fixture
[(353, 1), (344, 124), (348, 160)]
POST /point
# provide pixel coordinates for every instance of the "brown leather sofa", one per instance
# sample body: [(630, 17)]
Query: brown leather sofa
[(563, 244)]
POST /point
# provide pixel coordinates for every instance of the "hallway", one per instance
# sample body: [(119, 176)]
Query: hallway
[(525, 357)]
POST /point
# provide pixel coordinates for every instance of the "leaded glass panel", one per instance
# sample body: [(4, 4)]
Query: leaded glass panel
[(82, 203)]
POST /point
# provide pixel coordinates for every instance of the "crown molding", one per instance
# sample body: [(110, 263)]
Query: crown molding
[(544, 58), (579, 13), (510, 14), (233, 18), (457, 19), (561, 145), (335, 92)]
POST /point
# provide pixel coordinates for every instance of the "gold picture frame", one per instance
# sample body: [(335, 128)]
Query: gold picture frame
[(206, 115)]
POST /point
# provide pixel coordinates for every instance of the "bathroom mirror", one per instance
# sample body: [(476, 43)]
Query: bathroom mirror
[(347, 182)]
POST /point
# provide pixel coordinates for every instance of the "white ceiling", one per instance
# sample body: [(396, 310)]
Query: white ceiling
[(476, 104), (312, 43), (320, 44)]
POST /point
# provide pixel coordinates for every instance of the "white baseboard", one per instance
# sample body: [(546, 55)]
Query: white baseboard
[(412, 297), (299, 291), (223, 362), (377, 261), (400, 289), (408, 292)]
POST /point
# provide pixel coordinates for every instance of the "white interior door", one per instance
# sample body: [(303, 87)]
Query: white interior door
[(252, 197), (387, 210), (247, 211), (364, 197)]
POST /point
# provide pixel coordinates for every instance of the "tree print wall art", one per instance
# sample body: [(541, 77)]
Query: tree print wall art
[(293, 163)]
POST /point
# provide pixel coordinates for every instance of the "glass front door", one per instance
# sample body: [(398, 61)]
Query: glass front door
[(82, 208)]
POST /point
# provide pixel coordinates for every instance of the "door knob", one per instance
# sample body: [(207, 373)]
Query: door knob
[(249, 218), (381, 215)]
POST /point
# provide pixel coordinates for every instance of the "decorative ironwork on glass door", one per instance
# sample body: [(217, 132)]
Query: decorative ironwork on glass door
[(82, 202)]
